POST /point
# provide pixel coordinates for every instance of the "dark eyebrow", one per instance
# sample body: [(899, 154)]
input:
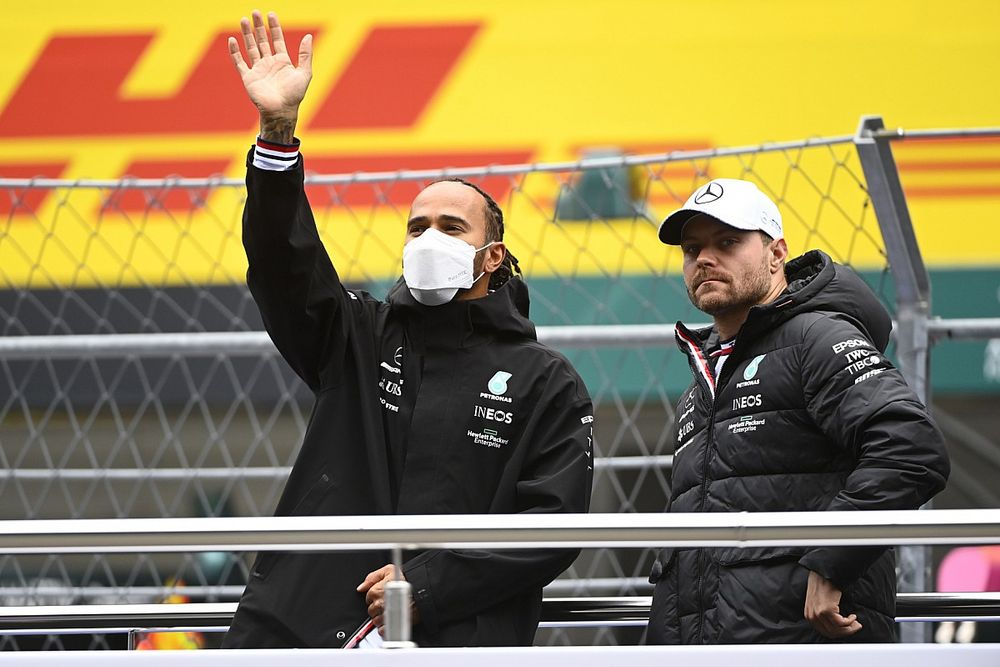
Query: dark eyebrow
[(721, 232), (443, 217)]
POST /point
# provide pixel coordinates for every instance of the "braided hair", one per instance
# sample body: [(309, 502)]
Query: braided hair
[(494, 233)]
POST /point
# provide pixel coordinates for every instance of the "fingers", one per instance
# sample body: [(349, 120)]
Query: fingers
[(236, 56), (253, 54), (277, 37), (384, 572), (258, 45), (832, 625), (375, 593), (306, 54), (842, 621), (260, 33), (850, 625), (375, 610), (369, 581)]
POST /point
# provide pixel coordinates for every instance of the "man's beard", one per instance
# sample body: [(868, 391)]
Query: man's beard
[(478, 262), (740, 292)]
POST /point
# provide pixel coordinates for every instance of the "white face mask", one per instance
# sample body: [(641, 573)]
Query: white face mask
[(436, 266)]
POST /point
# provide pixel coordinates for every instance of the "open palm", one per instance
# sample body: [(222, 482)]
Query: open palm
[(272, 82)]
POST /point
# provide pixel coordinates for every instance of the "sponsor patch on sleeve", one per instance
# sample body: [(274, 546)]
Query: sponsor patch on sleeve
[(862, 361)]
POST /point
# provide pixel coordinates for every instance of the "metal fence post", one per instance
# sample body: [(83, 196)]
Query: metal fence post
[(397, 607), (913, 301)]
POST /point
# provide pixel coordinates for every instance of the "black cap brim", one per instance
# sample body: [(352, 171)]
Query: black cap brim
[(673, 225)]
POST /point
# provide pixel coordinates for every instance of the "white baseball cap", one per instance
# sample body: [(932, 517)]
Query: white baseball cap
[(733, 202)]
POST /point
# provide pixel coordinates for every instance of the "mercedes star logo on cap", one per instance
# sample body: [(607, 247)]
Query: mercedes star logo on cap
[(711, 192)]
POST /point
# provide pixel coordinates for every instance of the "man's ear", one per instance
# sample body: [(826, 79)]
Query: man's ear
[(779, 253), (494, 257)]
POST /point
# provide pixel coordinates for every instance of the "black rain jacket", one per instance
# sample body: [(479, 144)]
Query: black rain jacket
[(807, 414), (454, 409)]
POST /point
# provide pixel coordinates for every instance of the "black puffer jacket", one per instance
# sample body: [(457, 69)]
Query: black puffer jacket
[(455, 409), (807, 414)]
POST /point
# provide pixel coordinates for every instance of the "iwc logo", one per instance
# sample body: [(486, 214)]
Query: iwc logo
[(711, 192)]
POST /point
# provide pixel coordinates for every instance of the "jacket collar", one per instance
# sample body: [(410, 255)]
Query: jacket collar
[(502, 313)]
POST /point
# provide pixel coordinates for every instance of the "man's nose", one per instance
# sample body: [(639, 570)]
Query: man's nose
[(705, 257)]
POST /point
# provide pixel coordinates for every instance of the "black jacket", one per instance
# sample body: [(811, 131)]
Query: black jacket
[(807, 414), (454, 409)]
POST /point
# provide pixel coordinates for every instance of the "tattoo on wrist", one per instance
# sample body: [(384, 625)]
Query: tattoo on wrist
[(279, 130)]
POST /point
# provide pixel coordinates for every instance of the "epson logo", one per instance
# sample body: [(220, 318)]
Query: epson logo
[(850, 343)]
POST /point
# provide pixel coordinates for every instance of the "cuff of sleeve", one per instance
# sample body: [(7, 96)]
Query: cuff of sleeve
[(419, 579), (840, 565), (272, 156)]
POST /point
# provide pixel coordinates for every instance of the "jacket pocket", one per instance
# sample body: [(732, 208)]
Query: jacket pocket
[(760, 601), (310, 499), (266, 559), (730, 556), (664, 561), (262, 566)]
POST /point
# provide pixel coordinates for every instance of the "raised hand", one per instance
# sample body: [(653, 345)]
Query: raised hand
[(272, 82)]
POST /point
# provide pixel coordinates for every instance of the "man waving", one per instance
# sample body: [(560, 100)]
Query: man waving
[(438, 400)]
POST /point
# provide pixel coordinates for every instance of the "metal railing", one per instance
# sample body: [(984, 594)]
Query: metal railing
[(504, 531), (563, 612), (500, 531), (601, 463)]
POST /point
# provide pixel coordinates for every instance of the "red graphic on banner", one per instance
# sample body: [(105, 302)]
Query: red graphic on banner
[(947, 157), (951, 191), (74, 88), (949, 165), (169, 198), (26, 201), (401, 193), (393, 76)]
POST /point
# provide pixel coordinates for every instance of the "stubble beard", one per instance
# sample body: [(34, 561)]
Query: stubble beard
[(740, 293), (478, 262)]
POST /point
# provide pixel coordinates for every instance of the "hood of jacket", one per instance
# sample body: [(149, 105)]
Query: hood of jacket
[(817, 283), (503, 313)]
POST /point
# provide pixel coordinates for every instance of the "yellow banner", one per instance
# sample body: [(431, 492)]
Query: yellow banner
[(110, 89)]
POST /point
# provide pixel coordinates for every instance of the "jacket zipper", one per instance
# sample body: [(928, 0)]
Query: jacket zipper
[(720, 383), (709, 391), (701, 508)]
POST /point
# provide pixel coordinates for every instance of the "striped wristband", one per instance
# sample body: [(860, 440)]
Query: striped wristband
[(275, 157)]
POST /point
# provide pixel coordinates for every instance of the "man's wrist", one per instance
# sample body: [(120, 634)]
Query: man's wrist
[(275, 156), (278, 128)]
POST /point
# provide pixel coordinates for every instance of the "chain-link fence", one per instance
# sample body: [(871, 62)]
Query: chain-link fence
[(197, 432)]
